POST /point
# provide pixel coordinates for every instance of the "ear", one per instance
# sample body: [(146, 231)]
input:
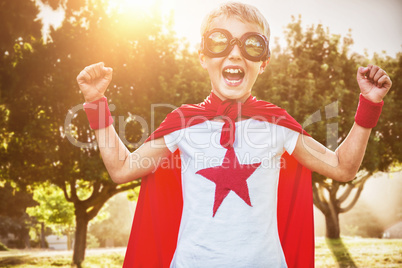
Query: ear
[(263, 66), (201, 57)]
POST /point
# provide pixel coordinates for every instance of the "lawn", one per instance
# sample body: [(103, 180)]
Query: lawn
[(348, 252), (95, 258), (358, 252)]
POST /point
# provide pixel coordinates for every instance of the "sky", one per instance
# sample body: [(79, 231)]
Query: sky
[(376, 25)]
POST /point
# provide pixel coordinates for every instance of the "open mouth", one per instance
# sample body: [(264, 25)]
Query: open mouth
[(233, 75)]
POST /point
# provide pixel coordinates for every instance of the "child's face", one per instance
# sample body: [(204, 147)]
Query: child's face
[(232, 76)]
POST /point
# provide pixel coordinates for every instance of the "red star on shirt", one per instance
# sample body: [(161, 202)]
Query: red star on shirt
[(230, 176)]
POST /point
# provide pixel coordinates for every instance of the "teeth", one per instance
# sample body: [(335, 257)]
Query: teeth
[(233, 71), (233, 81)]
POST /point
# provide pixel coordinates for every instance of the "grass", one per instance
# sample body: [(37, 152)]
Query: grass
[(346, 253), (52, 259), (114, 260), (358, 252)]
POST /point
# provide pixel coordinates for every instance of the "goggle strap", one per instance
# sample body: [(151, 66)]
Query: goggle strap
[(202, 43)]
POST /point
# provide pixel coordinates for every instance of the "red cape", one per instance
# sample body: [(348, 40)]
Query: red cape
[(157, 218)]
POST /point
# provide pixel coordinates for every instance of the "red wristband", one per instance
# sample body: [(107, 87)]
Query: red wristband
[(98, 113), (368, 112)]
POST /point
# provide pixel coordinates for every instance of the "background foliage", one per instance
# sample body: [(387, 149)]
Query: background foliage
[(151, 65)]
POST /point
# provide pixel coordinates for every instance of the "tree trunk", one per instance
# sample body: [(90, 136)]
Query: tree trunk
[(80, 242), (69, 240), (85, 210), (332, 225), (42, 235), (26, 238)]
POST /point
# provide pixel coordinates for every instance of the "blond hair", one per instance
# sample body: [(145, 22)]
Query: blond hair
[(240, 11)]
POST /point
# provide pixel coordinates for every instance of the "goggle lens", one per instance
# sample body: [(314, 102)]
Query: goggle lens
[(254, 46), (217, 42)]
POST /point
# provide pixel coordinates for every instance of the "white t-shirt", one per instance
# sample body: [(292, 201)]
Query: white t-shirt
[(238, 235)]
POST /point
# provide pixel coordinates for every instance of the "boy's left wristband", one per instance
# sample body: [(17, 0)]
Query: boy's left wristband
[(368, 112), (98, 113)]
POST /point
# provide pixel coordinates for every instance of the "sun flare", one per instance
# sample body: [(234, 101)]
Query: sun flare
[(130, 5)]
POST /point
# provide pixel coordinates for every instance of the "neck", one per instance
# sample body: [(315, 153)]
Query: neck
[(222, 98)]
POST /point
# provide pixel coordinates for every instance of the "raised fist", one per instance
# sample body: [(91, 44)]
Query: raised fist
[(94, 80), (374, 82)]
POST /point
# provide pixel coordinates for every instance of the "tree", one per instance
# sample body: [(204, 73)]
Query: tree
[(143, 51), (149, 68), (18, 20), (53, 211), (383, 151), (13, 219), (19, 29), (316, 69)]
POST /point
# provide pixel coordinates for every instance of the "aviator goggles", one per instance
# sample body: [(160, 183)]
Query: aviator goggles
[(219, 43)]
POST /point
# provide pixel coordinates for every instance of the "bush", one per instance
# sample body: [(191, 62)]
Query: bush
[(92, 241)]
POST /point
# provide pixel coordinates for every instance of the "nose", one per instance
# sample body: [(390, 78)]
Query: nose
[(235, 53)]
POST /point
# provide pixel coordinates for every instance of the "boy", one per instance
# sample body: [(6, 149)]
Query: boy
[(230, 147)]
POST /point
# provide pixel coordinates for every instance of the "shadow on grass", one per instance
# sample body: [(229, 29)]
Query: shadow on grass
[(341, 253)]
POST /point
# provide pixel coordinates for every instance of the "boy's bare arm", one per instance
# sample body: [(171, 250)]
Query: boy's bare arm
[(343, 164), (122, 165)]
